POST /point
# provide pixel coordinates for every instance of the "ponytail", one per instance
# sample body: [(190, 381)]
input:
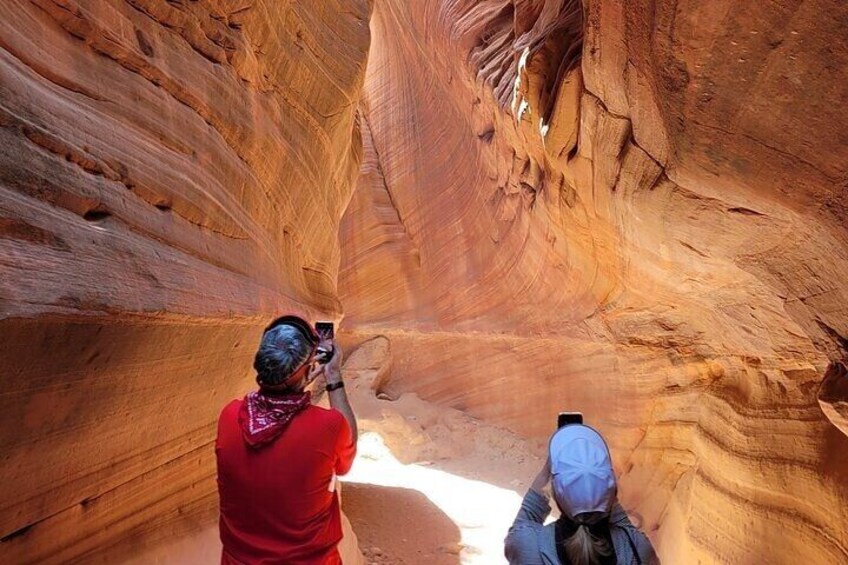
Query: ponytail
[(584, 548)]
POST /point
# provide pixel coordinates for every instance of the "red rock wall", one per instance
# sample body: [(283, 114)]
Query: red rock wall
[(656, 238), (172, 175)]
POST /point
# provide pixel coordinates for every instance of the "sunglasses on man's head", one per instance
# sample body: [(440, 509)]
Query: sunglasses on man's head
[(295, 321)]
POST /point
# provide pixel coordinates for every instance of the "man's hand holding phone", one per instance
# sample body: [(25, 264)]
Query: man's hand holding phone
[(329, 353), (333, 368), (330, 360)]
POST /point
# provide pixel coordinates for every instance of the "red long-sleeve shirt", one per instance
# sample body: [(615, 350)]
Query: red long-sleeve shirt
[(276, 503)]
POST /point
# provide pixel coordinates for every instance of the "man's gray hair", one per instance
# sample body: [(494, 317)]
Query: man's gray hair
[(283, 349)]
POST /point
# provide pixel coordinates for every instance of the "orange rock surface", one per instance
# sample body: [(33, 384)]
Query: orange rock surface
[(656, 237), (172, 175), (633, 209)]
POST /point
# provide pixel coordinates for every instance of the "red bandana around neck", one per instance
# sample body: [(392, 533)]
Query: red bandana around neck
[(264, 417)]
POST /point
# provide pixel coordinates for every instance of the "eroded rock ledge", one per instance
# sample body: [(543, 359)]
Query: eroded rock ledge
[(833, 396)]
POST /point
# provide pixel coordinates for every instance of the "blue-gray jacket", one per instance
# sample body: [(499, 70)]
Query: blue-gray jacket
[(530, 542)]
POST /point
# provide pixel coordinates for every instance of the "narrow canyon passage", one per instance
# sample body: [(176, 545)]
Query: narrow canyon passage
[(637, 210)]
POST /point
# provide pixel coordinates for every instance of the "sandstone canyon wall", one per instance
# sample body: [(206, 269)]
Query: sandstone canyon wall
[(172, 175), (655, 235), (634, 209)]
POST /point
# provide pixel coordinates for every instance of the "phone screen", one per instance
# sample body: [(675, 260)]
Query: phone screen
[(566, 418), (325, 330)]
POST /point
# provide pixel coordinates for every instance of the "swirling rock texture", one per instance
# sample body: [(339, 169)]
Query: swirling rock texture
[(634, 209), (172, 175), (654, 234)]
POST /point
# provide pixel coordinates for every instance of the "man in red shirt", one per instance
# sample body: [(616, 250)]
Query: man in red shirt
[(278, 455)]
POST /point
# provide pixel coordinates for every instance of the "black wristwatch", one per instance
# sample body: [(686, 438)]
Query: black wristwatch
[(334, 386)]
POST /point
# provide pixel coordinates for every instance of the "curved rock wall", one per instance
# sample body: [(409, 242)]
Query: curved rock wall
[(655, 236), (172, 175)]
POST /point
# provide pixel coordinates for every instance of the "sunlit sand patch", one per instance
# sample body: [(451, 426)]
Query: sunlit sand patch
[(482, 512)]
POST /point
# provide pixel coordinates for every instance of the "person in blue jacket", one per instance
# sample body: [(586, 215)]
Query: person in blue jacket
[(593, 528)]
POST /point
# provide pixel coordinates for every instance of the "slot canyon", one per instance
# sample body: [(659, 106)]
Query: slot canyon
[(634, 209)]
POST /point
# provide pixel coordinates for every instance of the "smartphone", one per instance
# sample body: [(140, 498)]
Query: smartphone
[(566, 418), (325, 331)]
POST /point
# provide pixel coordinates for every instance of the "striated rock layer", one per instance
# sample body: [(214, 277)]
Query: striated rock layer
[(172, 175), (655, 235), (634, 209)]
